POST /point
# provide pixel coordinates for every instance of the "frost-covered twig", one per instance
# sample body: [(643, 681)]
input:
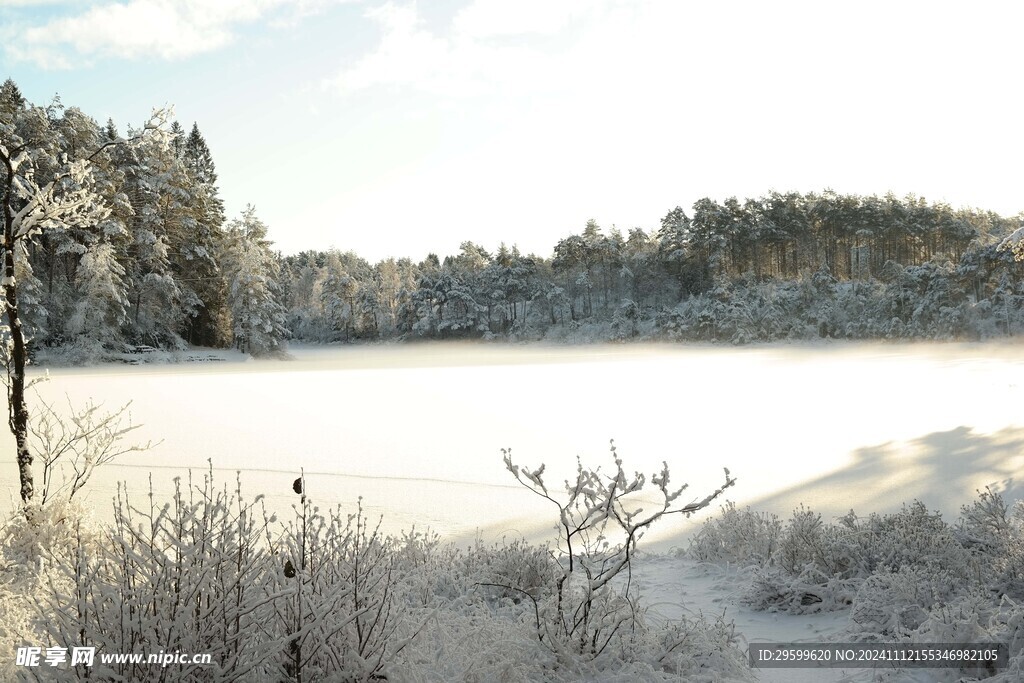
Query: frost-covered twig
[(587, 614), (83, 441)]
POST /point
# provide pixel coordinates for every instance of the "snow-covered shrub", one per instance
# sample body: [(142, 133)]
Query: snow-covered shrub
[(965, 620), (584, 615), (693, 650), (890, 605), (435, 573), (475, 630), (968, 618), (17, 617), (438, 574), (810, 590), (910, 537), (809, 571), (70, 449), (33, 534), (699, 649), (995, 532), (986, 523), (1007, 626), (337, 578), (735, 536), (1008, 565), (808, 542), (468, 642), (186, 575), (526, 568), (26, 573), (210, 573)]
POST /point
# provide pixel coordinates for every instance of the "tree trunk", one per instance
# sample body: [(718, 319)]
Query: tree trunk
[(17, 409)]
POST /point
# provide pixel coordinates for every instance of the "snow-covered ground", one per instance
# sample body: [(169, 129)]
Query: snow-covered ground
[(417, 431)]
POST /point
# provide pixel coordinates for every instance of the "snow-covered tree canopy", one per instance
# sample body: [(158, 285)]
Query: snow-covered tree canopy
[(733, 270), (1015, 243)]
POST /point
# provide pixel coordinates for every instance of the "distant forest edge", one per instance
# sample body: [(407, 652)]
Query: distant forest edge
[(166, 269)]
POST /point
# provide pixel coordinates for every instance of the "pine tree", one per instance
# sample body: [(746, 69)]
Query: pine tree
[(157, 189), (100, 310), (11, 100), (196, 260), (251, 271)]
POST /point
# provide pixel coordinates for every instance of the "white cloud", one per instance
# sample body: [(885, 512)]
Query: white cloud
[(493, 18), (163, 29), (31, 3), (490, 48), (407, 53)]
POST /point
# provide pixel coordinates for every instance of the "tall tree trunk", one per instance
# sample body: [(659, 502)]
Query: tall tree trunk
[(17, 409)]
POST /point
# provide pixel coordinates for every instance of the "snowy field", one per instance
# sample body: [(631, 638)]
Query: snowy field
[(417, 431)]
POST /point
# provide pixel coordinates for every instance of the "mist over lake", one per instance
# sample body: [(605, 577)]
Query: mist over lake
[(417, 430)]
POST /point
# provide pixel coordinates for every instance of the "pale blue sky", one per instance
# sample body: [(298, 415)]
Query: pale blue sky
[(399, 128)]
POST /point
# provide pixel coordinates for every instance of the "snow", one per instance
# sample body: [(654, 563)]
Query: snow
[(678, 586), (417, 431)]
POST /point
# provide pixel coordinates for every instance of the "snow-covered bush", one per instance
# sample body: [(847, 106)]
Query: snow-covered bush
[(210, 573), (774, 589), (469, 642), (507, 570), (70, 449), (986, 523), (18, 623), (699, 649), (336, 577), (911, 537), (961, 616), (890, 605), (188, 575), (740, 537), (528, 569), (807, 542), (1007, 626), (26, 572), (585, 616), (995, 533)]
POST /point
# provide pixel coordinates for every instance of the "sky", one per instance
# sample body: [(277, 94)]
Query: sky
[(401, 128)]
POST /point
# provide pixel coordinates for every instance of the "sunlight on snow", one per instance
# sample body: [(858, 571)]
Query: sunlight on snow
[(418, 430)]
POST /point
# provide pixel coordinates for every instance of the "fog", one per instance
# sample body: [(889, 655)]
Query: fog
[(417, 430)]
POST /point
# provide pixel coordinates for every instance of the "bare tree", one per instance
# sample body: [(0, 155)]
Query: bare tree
[(599, 524), (71, 448)]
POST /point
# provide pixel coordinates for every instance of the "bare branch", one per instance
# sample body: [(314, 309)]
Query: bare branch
[(588, 613)]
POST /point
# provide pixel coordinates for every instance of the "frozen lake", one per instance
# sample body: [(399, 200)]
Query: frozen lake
[(417, 430)]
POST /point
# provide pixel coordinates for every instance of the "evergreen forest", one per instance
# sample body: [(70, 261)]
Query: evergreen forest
[(157, 263)]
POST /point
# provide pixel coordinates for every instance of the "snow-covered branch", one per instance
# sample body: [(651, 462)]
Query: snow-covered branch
[(67, 200), (599, 526), (1014, 243)]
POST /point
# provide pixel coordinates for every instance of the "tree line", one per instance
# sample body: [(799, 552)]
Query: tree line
[(162, 266), (780, 266)]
